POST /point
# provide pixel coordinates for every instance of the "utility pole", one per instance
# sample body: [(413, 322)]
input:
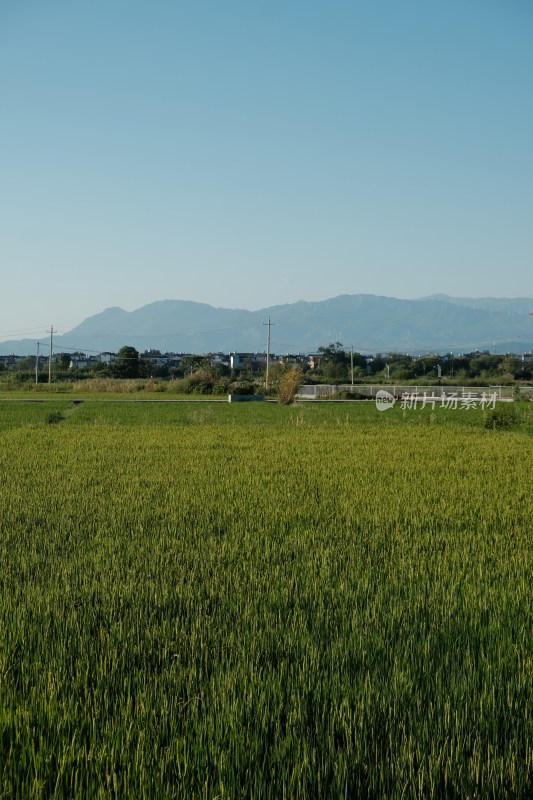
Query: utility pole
[(268, 324), (351, 361), (37, 365), (50, 356)]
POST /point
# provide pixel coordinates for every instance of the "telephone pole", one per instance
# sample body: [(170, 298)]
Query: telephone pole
[(37, 365), (268, 324), (50, 356)]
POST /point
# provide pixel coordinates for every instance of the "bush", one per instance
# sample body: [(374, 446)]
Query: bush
[(221, 386), (289, 385), (345, 394), (242, 387), (503, 416)]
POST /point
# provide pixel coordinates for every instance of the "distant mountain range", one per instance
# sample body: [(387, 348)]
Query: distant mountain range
[(369, 323)]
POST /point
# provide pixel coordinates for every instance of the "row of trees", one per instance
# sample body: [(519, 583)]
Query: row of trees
[(128, 364), (335, 366), (331, 364)]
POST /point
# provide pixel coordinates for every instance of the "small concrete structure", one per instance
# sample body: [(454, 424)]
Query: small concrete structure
[(244, 398)]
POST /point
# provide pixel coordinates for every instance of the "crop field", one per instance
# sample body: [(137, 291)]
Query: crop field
[(260, 601)]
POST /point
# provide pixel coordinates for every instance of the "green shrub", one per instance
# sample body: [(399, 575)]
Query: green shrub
[(242, 387), (346, 394), (54, 418), (503, 416)]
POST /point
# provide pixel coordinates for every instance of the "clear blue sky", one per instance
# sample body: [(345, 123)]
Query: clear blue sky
[(246, 153)]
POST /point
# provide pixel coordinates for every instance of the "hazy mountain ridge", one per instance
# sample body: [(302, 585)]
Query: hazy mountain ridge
[(511, 304), (369, 323)]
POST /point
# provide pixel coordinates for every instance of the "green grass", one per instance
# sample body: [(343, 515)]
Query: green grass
[(260, 601)]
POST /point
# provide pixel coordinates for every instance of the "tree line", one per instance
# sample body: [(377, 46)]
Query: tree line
[(331, 364)]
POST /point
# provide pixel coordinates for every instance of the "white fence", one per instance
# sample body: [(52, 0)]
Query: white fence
[(324, 391)]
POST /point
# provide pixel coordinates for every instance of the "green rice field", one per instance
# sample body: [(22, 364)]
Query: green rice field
[(213, 600)]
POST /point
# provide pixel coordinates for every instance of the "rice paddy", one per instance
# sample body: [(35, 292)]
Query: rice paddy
[(255, 601)]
